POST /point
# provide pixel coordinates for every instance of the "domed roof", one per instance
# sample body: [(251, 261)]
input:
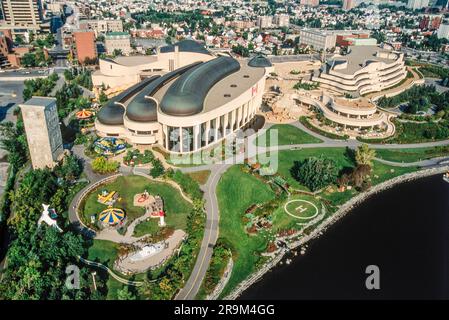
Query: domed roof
[(260, 62), (187, 45), (111, 114), (142, 110), (186, 95)]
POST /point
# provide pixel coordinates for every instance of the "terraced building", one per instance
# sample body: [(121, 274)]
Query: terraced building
[(362, 70)]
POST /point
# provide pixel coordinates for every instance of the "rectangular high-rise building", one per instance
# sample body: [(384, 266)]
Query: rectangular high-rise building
[(310, 3), (40, 118), (348, 4), (22, 14), (417, 4)]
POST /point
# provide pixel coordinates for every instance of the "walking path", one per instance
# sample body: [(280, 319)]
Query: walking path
[(191, 287), (115, 276)]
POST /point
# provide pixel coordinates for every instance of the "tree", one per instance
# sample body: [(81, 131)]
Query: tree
[(315, 173), (157, 169), (125, 294), (102, 165), (364, 155)]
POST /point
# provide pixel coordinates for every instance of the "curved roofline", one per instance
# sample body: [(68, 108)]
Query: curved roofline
[(143, 107), (112, 112), (186, 95)]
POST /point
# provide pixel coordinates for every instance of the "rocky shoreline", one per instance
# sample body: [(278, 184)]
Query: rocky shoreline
[(342, 211)]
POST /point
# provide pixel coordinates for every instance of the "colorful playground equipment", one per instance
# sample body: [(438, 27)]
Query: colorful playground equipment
[(154, 206), (108, 198), (109, 146), (83, 114), (112, 216)]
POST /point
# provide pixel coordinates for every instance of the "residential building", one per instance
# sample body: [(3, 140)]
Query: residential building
[(22, 15), (281, 20), (102, 26), (443, 31), (310, 3), (117, 41), (348, 4), (417, 4), (41, 121), (264, 22)]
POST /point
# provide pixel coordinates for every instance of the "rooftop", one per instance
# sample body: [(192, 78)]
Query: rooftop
[(131, 61), (357, 57), (40, 101), (186, 46)]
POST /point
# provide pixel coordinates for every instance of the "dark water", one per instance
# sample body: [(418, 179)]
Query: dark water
[(404, 231)]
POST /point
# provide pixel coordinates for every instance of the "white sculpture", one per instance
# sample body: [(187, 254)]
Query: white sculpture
[(45, 217)]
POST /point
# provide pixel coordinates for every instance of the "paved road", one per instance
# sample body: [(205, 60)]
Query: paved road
[(192, 285)]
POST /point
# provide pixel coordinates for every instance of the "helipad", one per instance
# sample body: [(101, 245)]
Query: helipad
[(301, 209)]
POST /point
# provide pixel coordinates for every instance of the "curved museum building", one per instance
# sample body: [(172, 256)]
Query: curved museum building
[(188, 108), (362, 70), (124, 71)]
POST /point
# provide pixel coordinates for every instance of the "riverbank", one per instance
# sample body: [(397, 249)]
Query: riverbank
[(343, 210)]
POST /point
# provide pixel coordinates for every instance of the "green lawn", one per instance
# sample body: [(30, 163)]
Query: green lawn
[(237, 191), (282, 221), (412, 155), (287, 158), (286, 134), (175, 206)]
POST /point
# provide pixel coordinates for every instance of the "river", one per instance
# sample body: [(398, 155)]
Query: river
[(404, 231)]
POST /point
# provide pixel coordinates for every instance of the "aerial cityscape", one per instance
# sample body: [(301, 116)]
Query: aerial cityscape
[(224, 150)]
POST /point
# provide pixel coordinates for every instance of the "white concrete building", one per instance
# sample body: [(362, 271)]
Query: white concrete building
[(40, 118), (122, 72), (21, 16), (443, 31), (364, 69), (281, 20), (190, 108), (417, 4), (264, 22), (318, 39), (117, 41)]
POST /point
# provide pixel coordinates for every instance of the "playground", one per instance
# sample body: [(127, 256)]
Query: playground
[(109, 146), (135, 196)]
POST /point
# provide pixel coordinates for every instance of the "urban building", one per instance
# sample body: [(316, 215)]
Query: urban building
[(117, 41), (360, 39), (190, 108), (120, 73), (362, 70), (102, 26), (443, 31), (417, 4), (264, 22), (40, 118), (281, 20), (85, 47), (348, 4), (21, 16), (317, 39), (310, 3)]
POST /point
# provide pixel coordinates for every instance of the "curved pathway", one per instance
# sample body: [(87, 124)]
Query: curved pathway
[(115, 276), (192, 285)]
